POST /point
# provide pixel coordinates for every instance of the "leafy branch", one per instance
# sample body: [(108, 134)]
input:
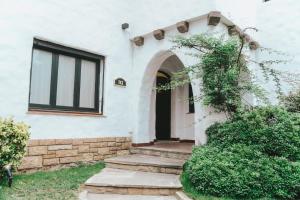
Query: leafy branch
[(223, 71)]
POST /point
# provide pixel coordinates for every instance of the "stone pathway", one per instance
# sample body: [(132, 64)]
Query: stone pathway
[(91, 196), (147, 173), (146, 163)]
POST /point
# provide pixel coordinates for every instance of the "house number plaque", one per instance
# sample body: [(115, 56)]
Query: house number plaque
[(120, 82)]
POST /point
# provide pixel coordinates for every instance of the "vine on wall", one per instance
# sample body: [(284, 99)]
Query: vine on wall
[(223, 70)]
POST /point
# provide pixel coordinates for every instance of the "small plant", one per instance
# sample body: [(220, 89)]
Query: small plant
[(13, 140), (271, 130)]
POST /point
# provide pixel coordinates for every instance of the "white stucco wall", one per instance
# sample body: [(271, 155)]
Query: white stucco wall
[(84, 24), (91, 25), (278, 29), (94, 25)]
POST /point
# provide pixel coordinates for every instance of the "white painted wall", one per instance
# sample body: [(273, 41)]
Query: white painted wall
[(94, 25), (278, 28), (90, 25)]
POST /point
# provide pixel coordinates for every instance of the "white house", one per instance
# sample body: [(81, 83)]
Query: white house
[(71, 71)]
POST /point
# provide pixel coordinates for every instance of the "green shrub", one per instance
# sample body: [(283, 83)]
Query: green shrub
[(272, 130), (13, 140), (292, 101), (242, 172)]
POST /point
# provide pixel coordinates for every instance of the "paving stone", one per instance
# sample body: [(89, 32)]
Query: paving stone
[(143, 175), (135, 179), (91, 196), (175, 147), (174, 150), (139, 159)]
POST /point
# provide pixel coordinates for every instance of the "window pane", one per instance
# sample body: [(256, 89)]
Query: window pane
[(65, 81), (87, 84), (40, 77)]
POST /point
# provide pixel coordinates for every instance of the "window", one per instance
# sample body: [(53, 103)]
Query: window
[(191, 100), (63, 78)]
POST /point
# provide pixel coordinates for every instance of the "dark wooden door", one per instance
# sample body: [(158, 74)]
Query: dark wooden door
[(163, 109)]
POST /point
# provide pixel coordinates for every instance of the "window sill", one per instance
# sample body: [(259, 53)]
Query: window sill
[(64, 113)]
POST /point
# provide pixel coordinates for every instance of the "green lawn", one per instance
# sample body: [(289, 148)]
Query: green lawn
[(60, 184)]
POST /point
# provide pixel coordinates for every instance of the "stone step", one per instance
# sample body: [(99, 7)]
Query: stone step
[(93, 196), (160, 152), (146, 163), (181, 196), (126, 182)]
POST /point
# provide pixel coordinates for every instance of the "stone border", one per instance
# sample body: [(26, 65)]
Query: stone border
[(52, 153)]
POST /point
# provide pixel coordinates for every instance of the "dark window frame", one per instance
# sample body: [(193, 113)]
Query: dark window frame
[(56, 50), (191, 102)]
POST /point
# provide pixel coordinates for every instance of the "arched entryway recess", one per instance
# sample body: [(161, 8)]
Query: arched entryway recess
[(182, 122)]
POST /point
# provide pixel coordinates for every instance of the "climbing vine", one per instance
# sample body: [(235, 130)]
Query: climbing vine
[(223, 70)]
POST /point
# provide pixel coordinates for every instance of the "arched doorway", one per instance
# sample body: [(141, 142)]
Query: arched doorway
[(179, 124), (163, 108)]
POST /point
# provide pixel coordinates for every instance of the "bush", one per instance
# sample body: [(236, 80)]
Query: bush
[(242, 172), (13, 140), (272, 130), (292, 102)]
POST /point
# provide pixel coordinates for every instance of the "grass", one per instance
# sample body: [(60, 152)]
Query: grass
[(192, 193), (55, 185)]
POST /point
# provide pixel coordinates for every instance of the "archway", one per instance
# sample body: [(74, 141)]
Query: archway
[(181, 121)]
